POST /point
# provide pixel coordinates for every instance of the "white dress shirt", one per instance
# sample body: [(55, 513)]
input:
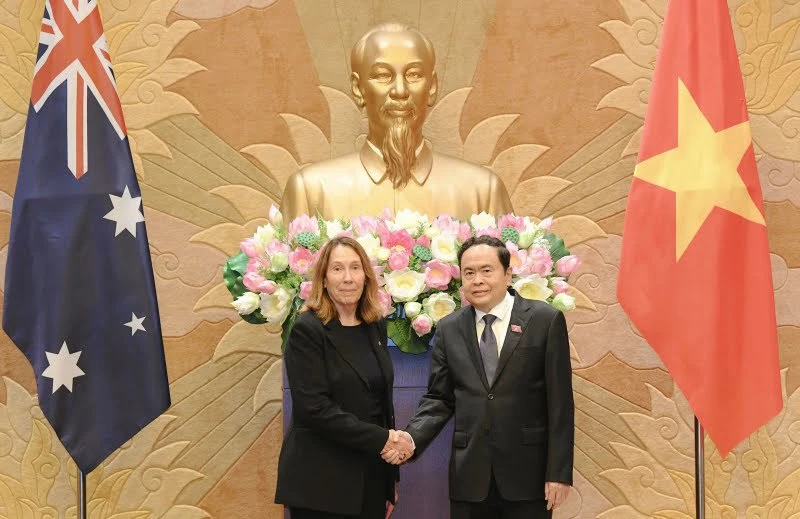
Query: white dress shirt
[(500, 325)]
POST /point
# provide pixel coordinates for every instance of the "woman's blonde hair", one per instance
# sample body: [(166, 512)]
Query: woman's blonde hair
[(369, 308)]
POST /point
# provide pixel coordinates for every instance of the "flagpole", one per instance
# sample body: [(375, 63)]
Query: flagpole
[(699, 471), (81, 495)]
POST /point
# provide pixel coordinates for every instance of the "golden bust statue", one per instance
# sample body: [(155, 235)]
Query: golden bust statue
[(393, 78)]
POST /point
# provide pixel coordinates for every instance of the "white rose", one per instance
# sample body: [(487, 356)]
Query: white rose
[(482, 220), (278, 262), (264, 235), (413, 309), (439, 305), (410, 221), (275, 307), (405, 285), (444, 248), (333, 228), (246, 303), (533, 287), (564, 302), (383, 254), (371, 244)]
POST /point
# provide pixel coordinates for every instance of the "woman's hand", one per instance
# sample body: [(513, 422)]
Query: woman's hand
[(389, 505)]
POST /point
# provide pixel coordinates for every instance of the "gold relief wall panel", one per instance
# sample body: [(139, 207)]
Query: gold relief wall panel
[(224, 100)]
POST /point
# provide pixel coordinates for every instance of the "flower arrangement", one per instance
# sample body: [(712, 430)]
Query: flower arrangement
[(414, 258)]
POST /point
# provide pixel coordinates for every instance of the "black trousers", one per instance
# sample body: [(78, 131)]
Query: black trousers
[(495, 507), (373, 504)]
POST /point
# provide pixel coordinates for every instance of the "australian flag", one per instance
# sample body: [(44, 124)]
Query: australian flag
[(80, 298)]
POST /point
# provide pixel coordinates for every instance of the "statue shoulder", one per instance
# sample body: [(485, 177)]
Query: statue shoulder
[(477, 172), (326, 168)]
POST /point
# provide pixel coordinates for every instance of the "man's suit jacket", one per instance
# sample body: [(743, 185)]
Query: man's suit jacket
[(521, 428), (329, 442)]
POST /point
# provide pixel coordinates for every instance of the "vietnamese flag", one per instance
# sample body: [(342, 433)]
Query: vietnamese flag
[(695, 275)]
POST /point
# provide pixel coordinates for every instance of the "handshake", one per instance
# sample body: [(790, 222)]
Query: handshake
[(399, 447)]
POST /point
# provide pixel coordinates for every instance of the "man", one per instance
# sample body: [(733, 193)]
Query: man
[(393, 78), (502, 366)]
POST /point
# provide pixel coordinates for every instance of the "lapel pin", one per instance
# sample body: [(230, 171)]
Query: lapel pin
[(516, 328)]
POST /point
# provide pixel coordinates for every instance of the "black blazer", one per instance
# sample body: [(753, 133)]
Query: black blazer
[(328, 444), (522, 427)]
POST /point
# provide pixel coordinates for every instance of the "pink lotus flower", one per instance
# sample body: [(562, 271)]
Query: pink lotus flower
[(424, 241), (364, 225), (382, 230), (303, 223), (519, 260), (300, 260), (546, 223), (250, 247), (398, 241), (447, 225), (385, 301), (567, 265), (540, 261), (510, 220), (305, 290), (387, 214), (437, 275), (398, 260), (257, 264), (494, 232), (559, 285), (255, 282), (275, 216), (422, 324), (464, 232), (276, 246), (378, 270)]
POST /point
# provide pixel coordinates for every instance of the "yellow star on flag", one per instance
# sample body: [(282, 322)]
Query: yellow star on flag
[(702, 171)]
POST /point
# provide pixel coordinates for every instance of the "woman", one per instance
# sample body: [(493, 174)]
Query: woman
[(341, 376)]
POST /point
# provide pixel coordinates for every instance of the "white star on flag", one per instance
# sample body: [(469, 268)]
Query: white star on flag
[(136, 323), (126, 213), (63, 367)]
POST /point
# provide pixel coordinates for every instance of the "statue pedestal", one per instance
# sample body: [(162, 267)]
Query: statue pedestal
[(423, 483)]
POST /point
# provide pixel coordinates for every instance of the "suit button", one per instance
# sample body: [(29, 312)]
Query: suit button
[(490, 396)]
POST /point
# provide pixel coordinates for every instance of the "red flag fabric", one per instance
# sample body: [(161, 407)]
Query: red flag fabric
[(695, 276)]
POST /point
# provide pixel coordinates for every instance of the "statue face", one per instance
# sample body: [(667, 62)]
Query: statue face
[(395, 80)]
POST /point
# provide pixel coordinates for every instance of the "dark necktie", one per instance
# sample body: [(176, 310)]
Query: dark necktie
[(488, 347)]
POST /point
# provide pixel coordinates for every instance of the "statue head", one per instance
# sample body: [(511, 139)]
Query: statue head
[(393, 78)]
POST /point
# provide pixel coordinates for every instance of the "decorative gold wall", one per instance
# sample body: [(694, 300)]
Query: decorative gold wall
[(224, 100)]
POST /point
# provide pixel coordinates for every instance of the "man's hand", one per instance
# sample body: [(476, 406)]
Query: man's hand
[(555, 493), (399, 447)]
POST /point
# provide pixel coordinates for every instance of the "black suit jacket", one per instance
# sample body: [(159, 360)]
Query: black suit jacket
[(329, 443), (522, 427)]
